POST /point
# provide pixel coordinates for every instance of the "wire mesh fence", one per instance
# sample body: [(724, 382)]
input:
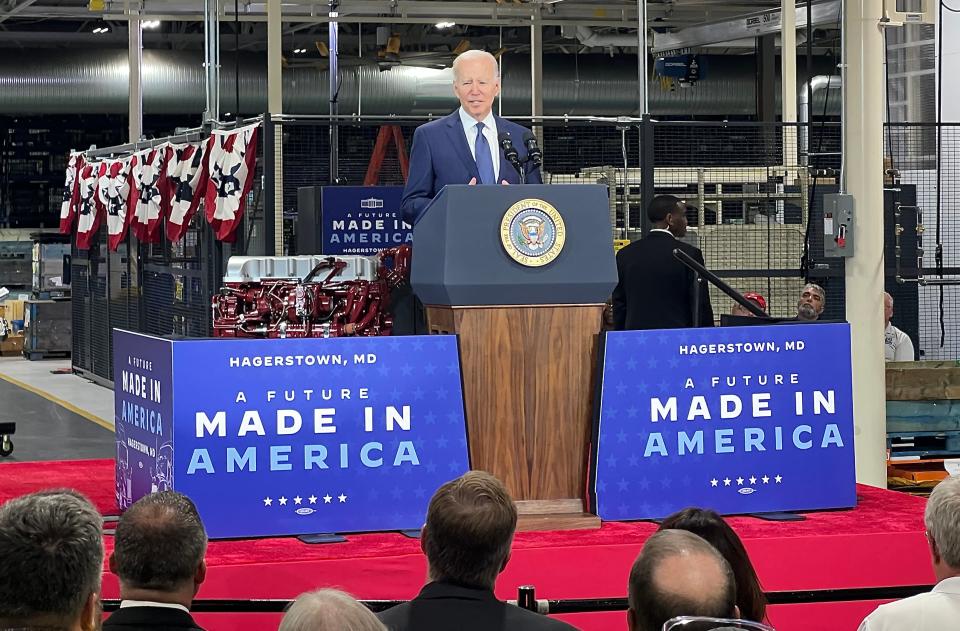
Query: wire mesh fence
[(923, 234), (161, 289), (756, 192)]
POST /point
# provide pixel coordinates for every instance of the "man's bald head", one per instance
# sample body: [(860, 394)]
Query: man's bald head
[(679, 574)]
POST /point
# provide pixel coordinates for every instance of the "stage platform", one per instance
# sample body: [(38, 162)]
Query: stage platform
[(879, 544)]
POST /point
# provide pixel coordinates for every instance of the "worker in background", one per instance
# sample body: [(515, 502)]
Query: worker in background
[(755, 298), (898, 347)]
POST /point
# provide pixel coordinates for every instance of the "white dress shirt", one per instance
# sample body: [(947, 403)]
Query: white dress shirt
[(146, 603), (489, 132), (898, 347), (937, 610)]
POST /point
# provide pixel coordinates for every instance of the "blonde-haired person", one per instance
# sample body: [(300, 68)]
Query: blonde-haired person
[(328, 610)]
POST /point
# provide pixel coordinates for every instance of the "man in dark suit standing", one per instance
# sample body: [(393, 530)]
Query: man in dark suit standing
[(464, 147), (656, 291), (158, 556), (467, 538), (461, 148)]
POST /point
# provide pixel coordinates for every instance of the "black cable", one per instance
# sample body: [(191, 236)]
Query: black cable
[(943, 5), (938, 257), (811, 162), (236, 56)]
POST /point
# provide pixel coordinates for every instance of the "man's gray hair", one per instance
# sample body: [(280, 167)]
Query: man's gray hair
[(818, 289), (51, 550), (942, 519), (160, 542), (475, 54), (328, 610)]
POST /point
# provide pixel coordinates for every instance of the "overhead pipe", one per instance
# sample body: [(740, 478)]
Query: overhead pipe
[(592, 38), (816, 86)]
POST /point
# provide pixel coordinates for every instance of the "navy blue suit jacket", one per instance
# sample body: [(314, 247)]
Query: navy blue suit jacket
[(440, 155)]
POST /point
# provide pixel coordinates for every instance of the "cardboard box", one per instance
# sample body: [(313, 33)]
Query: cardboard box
[(13, 310), (13, 345)]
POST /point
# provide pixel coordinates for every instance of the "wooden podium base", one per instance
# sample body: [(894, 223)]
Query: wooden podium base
[(528, 380), (554, 515)]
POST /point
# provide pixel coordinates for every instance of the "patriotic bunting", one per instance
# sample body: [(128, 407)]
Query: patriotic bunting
[(71, 194), (187, 181), (88, 211), (231, 156), (159, 190), (113, 189), (149, 187)]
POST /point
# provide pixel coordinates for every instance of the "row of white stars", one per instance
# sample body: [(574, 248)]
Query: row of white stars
[(297, 501), (753, 480)]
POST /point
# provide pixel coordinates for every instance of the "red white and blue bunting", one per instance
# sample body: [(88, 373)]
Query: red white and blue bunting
[(158, 191)]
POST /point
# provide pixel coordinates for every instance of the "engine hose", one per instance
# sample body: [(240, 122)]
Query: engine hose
[(360, 305), (372, 313)]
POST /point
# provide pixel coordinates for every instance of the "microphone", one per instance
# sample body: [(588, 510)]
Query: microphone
[(510, 152), (533, 149)]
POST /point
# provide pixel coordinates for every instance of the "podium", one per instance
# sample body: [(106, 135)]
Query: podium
[(521, 275)]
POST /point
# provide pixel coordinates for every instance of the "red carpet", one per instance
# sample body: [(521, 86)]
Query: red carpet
[(878, 544)]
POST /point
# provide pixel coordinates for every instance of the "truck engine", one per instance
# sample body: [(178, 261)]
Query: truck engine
[(309, 296)]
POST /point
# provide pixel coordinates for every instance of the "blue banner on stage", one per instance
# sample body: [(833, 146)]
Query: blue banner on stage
[(295, 436), (362, 219), (737, 419), (143, 415)]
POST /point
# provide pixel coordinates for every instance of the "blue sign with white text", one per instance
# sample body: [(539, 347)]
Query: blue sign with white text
[(143, 415), (295, 436), (737, 419), (362, 219)]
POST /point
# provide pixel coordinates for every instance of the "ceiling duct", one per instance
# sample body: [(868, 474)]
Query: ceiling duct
[(95, 82), (747, 26)]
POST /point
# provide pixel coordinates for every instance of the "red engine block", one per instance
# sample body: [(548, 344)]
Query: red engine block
[(332, 307)]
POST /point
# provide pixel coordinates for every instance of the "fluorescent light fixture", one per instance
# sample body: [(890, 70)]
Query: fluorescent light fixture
[(101, 29), (150, 24), (445, 24), (299, 51)]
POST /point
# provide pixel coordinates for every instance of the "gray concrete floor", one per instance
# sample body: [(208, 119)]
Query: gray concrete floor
[(47, 430)]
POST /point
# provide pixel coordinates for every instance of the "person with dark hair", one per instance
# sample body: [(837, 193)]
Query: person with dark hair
[(467, 539), (158, 556), (679, 574), (51, 548), (655, 290), (710, 526)]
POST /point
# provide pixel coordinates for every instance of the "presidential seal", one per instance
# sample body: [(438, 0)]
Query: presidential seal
[(532, 232)]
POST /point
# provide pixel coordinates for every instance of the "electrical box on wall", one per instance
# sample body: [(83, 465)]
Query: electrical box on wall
[(838, 225)]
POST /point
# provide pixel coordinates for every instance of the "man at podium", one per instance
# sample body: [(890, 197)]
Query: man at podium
[(471, 145)]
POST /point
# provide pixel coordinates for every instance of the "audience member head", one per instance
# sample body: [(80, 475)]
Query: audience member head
[(476, 82), (812, 301), (755, 298), (887, 308), (679, 574), (667, 212), (942, 520), (51, 548), (159, 548), (328, 610), (469, 529), (717, 532)]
